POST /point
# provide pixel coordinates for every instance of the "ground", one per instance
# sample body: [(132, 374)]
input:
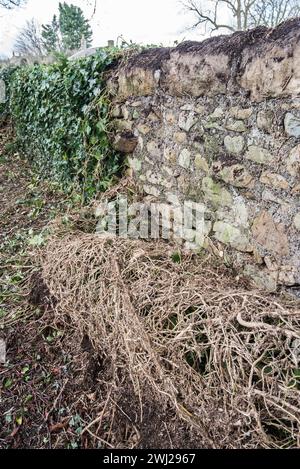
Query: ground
[(31, 379), (49, 395)]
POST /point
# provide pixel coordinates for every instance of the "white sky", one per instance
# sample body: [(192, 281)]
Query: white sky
[(143, 21)]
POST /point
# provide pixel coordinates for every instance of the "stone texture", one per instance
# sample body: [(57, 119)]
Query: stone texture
[(143, 129), (153, 149), (180, 137), (171, 117), (274, 180), (234, 145), (201, 163), (265, 120), (229, 234), (217, 114), (215, 193), (187, 122), (117, 111), (151, 190), (270, 235), (236, 126), (122, 125), (135, 164), (293, 162), (261, 277), (296, 189), (239, 113), (217, 123), (170, 155), (259, 155), (184, 159), (292, 125), (236, 174), (297, 221)]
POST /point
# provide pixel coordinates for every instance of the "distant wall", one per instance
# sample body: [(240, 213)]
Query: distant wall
[(218, 122), (31, 60)]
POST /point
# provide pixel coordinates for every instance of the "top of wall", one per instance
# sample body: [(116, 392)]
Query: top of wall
[(260, 63)]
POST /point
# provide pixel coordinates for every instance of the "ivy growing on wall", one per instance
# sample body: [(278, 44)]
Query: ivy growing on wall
[(6, 75), (61, 117)]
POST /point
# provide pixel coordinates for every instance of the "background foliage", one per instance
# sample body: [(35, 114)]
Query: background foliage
[(68, 31), (61, 117)]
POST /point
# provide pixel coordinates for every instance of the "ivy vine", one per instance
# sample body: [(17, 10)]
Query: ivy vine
[(61, 118)]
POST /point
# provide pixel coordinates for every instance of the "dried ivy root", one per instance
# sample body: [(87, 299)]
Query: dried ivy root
[(179, 334)]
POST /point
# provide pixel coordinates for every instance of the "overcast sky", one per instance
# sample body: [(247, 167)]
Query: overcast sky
[(145, 21)]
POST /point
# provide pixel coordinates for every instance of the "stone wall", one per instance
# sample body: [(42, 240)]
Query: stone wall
[(218, 122)]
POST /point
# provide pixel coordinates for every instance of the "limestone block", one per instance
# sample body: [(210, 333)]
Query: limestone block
[(259, 155), (184, 158), (236, 126), (236, 174), (201, 163), (269, 235), (274, 180), (239, 113), (293, 162), (215, 193), (234, 145), (229, 234), (292, 125), (297, 221), (265, 120)]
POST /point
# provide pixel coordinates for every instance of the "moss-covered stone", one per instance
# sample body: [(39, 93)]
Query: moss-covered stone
[(215, 193), (211, 146), (229, 234)]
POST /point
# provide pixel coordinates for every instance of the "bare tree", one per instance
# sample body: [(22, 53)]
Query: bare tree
[(9, 4), (273, 12), (240, 14), (29, 41)]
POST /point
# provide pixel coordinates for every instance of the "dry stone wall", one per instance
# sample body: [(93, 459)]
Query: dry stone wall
[(218, 123)]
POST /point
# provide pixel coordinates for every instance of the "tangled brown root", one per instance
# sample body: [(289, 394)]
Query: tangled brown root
[(184, 333)]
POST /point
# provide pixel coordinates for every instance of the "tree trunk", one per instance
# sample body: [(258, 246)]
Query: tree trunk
[(239, 15)]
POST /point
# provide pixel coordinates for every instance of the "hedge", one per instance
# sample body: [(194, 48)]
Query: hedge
[(61, 118)]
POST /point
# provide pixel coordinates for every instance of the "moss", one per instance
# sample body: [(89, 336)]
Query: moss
[(215, 193)]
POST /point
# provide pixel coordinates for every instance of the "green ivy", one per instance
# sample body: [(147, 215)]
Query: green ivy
[(61, 117), (6, 76)]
